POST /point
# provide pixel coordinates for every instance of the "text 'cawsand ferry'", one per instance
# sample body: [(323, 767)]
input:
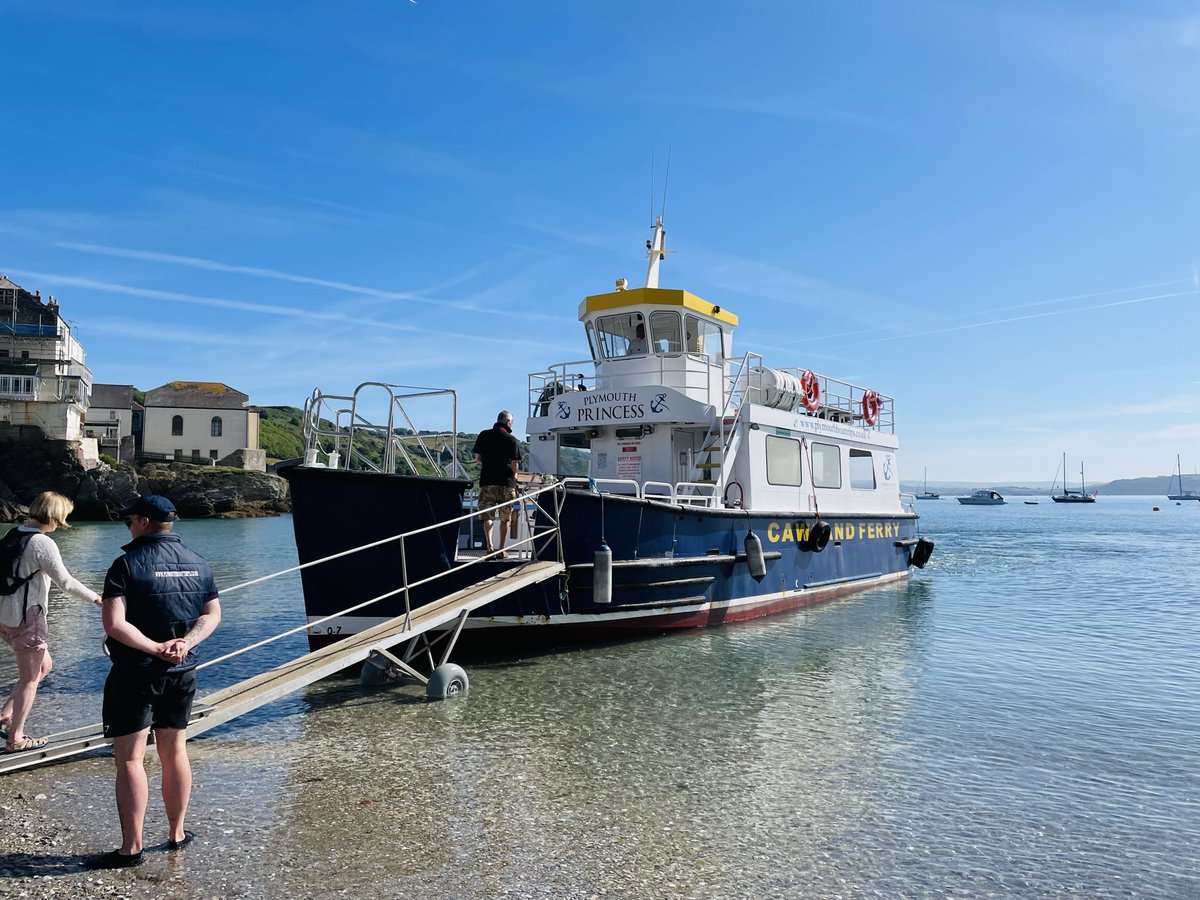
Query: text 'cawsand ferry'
[(717, 489)]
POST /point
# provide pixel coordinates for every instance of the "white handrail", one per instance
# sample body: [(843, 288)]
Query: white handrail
[(403, 589)]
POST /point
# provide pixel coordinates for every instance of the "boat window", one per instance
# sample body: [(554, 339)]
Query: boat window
[(574, 455), (783, 460), (666, 335), (702, 336), (591, 341), (826, 466), (622, 335), (862, 470)]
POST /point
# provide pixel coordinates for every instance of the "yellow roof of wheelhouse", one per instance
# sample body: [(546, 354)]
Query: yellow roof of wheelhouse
[(644, 296)]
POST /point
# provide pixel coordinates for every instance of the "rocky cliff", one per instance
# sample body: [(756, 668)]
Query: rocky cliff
[(30, 464)]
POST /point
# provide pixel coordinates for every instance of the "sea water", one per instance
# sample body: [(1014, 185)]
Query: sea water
[(1019, 719)]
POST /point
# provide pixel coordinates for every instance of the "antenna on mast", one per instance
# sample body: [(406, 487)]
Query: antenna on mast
[(656, 249), (666, 181)]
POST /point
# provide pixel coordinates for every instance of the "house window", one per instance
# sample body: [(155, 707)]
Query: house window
[(177, 425), (216, 426), (212, 454), (16, 384), (195, 456), (112, 413), (862, 470), (783, 460)]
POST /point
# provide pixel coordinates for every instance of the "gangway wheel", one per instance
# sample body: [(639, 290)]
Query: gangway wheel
[(447, 680)]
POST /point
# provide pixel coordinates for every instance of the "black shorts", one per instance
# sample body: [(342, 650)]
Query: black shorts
[(134, 701)]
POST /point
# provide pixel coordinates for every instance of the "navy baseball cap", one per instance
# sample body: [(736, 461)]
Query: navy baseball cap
[(152, 506)]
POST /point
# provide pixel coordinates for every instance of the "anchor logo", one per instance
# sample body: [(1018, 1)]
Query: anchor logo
[(659, 403), (887, 468), (564, 411)]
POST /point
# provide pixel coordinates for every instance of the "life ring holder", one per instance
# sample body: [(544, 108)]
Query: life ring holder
[(870, 407), (741, 496), (810, 390)]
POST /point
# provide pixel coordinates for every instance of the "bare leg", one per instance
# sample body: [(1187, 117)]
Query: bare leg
[(176, 777), (132, 788), (503, 532), (32, 667), (488, 543)]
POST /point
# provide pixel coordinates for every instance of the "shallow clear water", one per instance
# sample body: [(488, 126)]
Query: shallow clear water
[(1021, 718)]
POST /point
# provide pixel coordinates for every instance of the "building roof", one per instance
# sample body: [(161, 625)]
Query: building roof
[(197, 395), (112, 396), (7, 285)]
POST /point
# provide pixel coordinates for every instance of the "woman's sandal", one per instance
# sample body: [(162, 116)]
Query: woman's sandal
[(25, 744)]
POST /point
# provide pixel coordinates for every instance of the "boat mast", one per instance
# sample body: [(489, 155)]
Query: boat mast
[(656, 251)]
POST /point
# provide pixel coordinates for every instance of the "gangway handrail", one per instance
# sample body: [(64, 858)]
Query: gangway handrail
[(404, 588), (239, 698)]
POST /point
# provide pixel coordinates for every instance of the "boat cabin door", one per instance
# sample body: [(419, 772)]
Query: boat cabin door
[(684, 445)]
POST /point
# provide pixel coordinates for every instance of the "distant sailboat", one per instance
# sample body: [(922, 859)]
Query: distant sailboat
[(927, 494), (1181, 494), (1068, 495)]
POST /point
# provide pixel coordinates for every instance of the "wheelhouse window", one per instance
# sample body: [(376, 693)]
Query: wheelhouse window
[(215, 429), (783, 460), (862, 470), (666, 332), (622, 335), (702, 336), (826, 466), (176, 425)]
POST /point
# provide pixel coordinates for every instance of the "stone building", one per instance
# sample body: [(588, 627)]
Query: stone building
[(201, 422)]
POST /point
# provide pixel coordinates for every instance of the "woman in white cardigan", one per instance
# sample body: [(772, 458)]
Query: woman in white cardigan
[(28, 640)]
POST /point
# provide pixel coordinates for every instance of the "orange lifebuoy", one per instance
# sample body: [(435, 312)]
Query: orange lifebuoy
[(870, 407), (810, 389)]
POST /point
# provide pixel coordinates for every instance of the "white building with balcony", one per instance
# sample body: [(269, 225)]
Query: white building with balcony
[(44, 378)]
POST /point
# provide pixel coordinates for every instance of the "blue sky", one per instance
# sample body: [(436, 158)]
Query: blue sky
[(987, 211)]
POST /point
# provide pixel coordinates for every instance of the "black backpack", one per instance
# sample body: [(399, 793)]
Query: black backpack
[(12, 548)]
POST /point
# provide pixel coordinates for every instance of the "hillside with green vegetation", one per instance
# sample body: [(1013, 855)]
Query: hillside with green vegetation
[(280, 433)]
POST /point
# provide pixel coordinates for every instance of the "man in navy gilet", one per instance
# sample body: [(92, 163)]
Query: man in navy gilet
[(160, 601)]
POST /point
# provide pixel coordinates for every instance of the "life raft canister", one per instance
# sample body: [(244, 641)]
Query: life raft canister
[(870, 407), (810, 390)]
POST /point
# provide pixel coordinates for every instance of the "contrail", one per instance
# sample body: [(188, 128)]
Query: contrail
[(1043, 315), (1000, 309), (266, 309)]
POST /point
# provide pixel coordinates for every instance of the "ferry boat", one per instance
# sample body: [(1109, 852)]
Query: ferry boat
[(708, 488)]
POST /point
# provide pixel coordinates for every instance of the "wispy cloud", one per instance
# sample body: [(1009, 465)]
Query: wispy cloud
[(496, 300), (290, 312)]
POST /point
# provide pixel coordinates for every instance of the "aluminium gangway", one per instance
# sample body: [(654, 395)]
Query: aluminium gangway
[(373, 643), (237, 699)]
